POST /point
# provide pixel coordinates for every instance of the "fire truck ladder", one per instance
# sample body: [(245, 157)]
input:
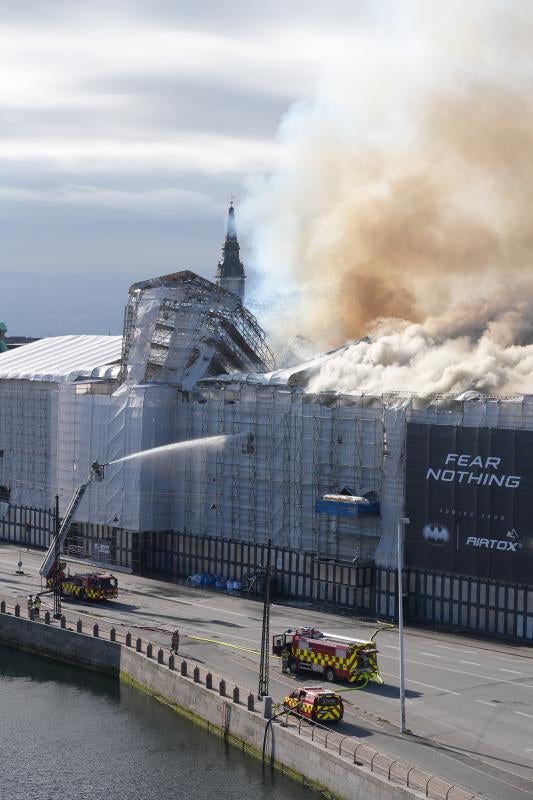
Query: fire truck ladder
[(49, 561)]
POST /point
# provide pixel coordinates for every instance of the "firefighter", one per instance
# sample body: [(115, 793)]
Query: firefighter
[(175, 642), (285, 660), (37, 605)]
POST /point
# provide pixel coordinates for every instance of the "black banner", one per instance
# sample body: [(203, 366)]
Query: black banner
[(469, 498)]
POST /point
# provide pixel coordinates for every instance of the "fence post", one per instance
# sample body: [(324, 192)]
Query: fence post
[(251, 702), (3, 607), (96, 630), (159, 656), (184, 668), (17, 610), (139, 645), (171, 663), (128, 639), (47, 618), (112, 635), (236, 694), (149, 649), (196, 675), (208, 681), (268, 707), (222, 687), (79, 626)]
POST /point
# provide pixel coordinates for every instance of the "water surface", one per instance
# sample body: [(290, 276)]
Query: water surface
[(70, 734)]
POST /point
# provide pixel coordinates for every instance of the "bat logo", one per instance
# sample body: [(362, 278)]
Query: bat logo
[(435, 533)]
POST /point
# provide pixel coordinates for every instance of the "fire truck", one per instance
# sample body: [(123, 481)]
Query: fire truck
[(315, 703), (335, 657), (81, 586)]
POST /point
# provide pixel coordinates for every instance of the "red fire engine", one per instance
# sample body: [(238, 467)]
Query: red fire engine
[(336, 658), (85, 585), (316, 703)]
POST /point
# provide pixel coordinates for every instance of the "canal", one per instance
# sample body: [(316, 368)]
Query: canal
[(72, 734)]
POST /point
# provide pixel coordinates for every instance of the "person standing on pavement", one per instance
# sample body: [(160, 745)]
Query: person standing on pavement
[(37, 605), (175, 641)]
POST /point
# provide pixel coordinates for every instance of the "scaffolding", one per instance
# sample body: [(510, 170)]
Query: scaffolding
[(181, 327)]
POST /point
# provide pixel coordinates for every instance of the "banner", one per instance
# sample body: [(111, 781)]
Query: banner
[(469, 498)]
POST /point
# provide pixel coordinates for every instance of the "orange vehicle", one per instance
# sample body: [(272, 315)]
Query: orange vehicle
[(337, 658), (315, 703)]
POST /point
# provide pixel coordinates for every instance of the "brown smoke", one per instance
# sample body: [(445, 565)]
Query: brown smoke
[(427, 203)]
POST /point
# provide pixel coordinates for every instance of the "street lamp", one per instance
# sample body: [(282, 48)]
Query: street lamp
[(401, 523)]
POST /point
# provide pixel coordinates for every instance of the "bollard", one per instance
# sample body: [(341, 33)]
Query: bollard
[(222, 688), (159, 656), (149, 648), (184, 668), (79, 626), (251, 702), (17, 610), (128, 639), (31, 614), (139, 645), (171, 662), (112, 635), (3, 607), (208, 681), (196, 675), (236, 694), (95, 628), (47, 618), (63, 622), (268, 707)]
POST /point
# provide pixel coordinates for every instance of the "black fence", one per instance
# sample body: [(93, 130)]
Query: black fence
[(455, 602), (458, 602), (297, 575), (29, 527)]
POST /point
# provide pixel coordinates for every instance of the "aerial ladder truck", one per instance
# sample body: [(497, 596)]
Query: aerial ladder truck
[(81, 586)]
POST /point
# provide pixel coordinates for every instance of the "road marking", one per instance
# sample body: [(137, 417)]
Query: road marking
[(514, 671), (457, 649), (522, 714), (487, 703), (431, 655), (427, 685), (472, 663), (464, 672)]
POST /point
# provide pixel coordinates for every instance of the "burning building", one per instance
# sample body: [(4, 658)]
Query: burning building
[(326, 477)]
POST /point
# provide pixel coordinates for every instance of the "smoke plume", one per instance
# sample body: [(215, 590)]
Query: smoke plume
[(402, 204)]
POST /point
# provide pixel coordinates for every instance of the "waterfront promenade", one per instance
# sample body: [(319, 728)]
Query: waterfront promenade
[(469, 702)]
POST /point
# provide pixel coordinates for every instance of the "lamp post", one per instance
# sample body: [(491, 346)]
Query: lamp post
[(401, 523)]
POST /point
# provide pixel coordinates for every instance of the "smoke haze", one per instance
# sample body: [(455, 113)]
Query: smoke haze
[(402, 204)]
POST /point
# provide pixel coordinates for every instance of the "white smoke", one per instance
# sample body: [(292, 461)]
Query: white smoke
[(478, 348), (405, 188)]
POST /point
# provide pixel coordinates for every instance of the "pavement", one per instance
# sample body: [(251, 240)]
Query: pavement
[(469, 704)]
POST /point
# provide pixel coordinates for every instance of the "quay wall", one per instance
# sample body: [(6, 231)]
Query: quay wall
[(295, 755)]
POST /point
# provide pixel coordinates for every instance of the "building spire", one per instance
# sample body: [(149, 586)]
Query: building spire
[(230, 271)]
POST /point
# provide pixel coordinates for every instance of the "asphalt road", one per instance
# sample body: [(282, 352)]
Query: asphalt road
[(469, 702)]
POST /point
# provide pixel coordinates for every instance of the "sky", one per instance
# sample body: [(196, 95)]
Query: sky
[(126, 126)]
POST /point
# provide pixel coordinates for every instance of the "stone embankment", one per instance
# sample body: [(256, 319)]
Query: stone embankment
[(340, 766)]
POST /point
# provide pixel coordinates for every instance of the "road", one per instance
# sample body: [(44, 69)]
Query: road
[(469, 702)]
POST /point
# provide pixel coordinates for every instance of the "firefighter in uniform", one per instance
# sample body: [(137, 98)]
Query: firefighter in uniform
[(175, 641), (37, 605)]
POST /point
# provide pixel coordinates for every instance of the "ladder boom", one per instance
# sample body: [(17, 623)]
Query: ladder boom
[(48, 564)]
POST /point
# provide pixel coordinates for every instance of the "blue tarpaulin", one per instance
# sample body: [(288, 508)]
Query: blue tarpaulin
[(336, 508)]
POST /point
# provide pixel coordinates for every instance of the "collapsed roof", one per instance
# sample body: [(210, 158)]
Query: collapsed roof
[(180, 328)]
